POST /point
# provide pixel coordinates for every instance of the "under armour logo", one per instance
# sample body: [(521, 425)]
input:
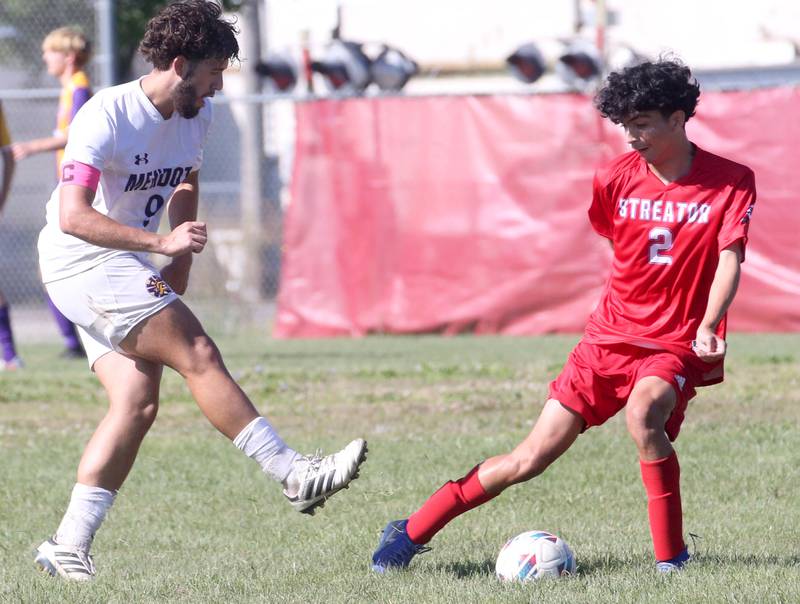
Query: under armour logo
[(681, 381), (141, 159)]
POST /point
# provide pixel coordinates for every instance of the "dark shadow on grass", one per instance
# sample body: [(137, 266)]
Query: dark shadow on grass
[(467, 568), (589, 566), (606, 564)]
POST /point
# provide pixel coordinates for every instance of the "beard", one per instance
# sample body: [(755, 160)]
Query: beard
[(185, 99)]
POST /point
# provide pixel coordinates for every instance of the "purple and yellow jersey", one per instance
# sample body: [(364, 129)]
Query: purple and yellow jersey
[(73, 96), (5, 138)]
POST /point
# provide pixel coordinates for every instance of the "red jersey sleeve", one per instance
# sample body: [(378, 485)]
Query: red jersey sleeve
[(601, 212), (736, 222)]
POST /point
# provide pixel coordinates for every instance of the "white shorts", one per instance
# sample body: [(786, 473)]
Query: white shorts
[(108, 300)]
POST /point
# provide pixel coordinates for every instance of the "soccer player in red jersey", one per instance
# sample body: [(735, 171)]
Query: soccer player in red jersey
[(677, 217)]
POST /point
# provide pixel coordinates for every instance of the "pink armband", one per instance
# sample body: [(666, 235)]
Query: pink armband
[(76, 173)]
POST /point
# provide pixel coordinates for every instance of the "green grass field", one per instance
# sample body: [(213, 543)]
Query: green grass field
[(198, 522)]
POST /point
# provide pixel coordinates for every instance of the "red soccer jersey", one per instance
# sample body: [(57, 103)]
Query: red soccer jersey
[(667, 240)]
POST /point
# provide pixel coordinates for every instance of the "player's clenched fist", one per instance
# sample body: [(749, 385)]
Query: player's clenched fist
[(708, 345), (186, 237)]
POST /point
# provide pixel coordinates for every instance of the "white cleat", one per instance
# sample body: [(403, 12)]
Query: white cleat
[(66, 561), (318, 477)]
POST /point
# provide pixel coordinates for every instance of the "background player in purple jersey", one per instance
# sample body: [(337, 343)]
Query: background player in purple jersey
[(65, 52)]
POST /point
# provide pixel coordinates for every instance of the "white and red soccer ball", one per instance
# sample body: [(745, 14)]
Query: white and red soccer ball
[(534, 555)]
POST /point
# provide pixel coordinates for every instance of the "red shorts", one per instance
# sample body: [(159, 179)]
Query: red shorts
[(597, 380)]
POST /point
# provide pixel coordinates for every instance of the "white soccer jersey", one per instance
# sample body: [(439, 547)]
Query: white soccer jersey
[(142, 158)]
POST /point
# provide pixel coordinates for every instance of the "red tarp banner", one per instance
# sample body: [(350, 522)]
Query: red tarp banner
[(468, 213)]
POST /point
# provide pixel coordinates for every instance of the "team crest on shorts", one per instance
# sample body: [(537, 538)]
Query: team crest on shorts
[(158, 287)]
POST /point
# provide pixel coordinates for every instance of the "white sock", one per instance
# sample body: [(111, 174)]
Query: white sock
[(260, 441), (86, 511)]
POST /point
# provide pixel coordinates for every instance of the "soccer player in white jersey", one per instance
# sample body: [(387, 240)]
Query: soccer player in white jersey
[(142, 143)]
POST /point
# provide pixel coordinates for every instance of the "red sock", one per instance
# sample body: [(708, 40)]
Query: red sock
[(453, 499), (661, 478)]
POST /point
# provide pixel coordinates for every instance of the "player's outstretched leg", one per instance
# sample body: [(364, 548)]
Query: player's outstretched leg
[(315, 478), (174, 336), (649, 407), (554, 432), (395, 549)]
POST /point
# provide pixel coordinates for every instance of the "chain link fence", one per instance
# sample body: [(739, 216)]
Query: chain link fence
[(23, 26), (234, 281)]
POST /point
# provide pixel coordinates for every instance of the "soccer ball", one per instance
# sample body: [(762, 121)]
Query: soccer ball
[(534, 555)]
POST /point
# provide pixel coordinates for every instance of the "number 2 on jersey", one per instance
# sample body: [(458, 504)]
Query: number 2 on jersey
[(661, 241)]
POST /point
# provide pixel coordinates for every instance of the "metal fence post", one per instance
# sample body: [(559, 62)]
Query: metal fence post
[(107, 42), (252, 150)]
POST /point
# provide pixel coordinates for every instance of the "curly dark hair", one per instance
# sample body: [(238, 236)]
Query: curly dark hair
[(190, 28), (665, 86)]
